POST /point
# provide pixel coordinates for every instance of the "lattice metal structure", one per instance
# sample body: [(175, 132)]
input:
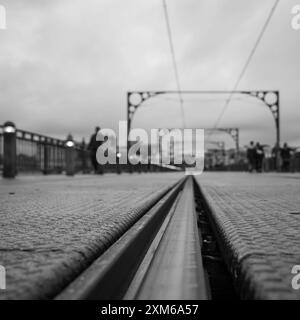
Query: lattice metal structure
[(270, 98), (233, 132), (220, 144)]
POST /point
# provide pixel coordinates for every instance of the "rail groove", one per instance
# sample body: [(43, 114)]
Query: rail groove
[(110, 275), (171, 252)]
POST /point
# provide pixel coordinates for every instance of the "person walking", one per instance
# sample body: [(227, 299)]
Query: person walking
[(259, 157), (251, 156), (93, 146), (274, 156), (286, 157)]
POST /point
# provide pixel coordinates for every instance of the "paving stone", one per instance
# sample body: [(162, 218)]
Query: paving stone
[(259, 235), (53, 227)]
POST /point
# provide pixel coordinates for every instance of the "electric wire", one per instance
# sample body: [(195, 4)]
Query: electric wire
[(252, 52), (174, 61)]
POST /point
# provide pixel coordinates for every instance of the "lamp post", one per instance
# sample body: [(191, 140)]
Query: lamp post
[(70, 156), (119, 155), (9, 150)]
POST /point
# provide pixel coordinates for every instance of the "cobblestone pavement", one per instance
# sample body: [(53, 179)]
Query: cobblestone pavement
[(52, 227), (258, 221)]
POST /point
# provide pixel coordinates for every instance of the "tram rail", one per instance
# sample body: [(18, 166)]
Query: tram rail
[(166, 254)]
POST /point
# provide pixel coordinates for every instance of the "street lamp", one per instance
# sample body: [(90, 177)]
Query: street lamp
[(9, 150), (9, 127), (70, 156)]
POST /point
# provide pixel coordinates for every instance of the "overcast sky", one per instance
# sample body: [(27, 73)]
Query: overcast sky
[(66, 65)]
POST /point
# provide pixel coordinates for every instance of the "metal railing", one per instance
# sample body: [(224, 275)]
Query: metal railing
[(269, 164), (40, 153), (36, 153)]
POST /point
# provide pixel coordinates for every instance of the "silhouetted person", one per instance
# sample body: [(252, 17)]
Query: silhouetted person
[(286, 157), (251, 151), (259, 157), (83, 156), (93, 146), (274, 153)]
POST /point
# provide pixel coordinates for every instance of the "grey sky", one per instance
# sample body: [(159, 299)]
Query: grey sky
[(65, 65)]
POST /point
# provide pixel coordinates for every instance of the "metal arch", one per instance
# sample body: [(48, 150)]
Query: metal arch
[(274, 107), (259, 94), (220, 144), (234, 133), (132, 106)]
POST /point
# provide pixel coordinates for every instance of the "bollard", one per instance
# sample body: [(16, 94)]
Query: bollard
[(9, 150), (70, 156)]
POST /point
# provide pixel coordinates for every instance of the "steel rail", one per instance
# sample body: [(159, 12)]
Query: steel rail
[(172, 268), (159, 257), (109, 276)]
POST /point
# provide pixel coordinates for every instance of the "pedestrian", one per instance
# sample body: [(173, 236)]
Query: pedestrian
[(251, 156), (83, 157), (93, 146), (274, 156), (286, 157), (259, 155)]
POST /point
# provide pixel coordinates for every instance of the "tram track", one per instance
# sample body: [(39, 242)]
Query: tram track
[(169, 253)]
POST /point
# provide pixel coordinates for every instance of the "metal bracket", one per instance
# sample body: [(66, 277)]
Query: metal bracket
[(272, 105)]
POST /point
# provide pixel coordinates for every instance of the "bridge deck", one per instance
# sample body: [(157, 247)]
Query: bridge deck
[(258, 221), (52, 227)]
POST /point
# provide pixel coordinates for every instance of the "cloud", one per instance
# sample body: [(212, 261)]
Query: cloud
[(65, 66)]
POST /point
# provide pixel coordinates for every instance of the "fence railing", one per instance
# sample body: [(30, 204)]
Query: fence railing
[(40, 153), (268, 165), (36, 152), (31, 152)]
